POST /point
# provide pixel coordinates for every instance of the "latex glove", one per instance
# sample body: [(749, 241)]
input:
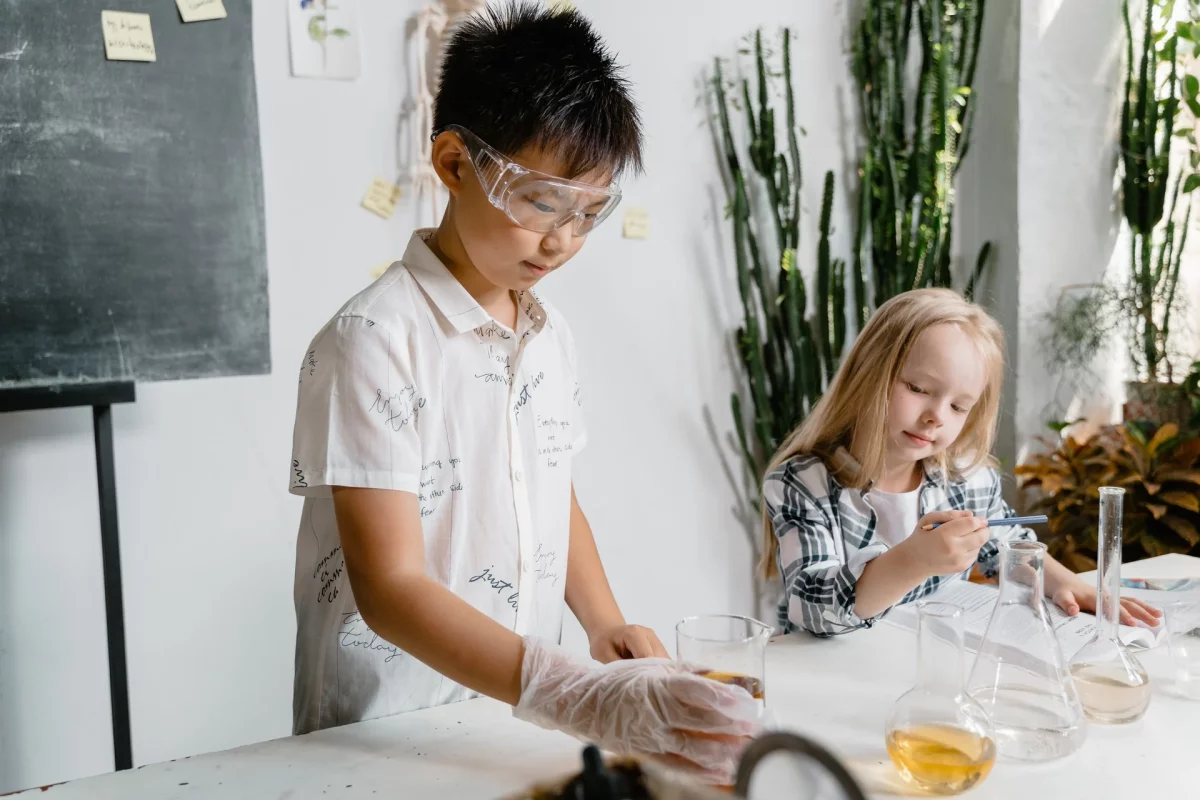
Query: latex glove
[(649, 707)]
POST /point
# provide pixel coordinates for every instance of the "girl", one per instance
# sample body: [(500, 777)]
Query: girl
[(899, 442)]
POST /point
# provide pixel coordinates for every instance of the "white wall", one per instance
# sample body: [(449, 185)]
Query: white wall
[(207, 526)]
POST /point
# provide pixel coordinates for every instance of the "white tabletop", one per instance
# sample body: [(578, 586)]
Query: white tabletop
[(838, 691)]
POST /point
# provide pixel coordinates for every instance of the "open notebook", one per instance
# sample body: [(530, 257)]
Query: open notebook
[(977, 601)]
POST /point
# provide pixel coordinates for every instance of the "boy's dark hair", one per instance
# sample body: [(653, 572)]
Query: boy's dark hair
[(519, 74)]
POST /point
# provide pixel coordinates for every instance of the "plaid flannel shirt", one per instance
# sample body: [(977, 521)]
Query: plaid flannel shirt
[(826, 536)]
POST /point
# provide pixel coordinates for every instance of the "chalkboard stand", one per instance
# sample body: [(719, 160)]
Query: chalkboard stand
[(101, 397)]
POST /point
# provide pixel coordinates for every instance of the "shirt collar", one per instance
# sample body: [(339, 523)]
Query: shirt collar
[(530, 311), (453, 301), (448, 295)]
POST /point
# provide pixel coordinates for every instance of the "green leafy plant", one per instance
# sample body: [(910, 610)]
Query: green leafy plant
[(787, 357), (1187, 54), (917, 135), (1159, 470)]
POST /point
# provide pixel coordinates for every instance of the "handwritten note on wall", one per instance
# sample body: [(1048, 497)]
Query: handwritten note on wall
[(127, 36), (381, 198), (636, 224), (200, 10)]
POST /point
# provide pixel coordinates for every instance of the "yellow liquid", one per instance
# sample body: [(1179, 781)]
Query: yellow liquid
[(752, 685), (941, 758)]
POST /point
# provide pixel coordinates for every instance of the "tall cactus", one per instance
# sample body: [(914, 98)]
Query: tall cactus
[(913, 151), (1148, 114), (786, 362)]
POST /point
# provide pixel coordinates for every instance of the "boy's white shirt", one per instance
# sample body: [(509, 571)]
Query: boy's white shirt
[(412, 386)]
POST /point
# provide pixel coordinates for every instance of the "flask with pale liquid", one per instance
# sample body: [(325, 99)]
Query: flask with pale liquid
[(1112, 685), (1020, 676), (938, 737)]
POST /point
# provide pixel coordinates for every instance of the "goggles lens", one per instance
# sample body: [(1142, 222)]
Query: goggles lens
[(545, 206)]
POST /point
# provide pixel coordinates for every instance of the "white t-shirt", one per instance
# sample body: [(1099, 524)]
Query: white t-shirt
[(412, 386), (896, 513)]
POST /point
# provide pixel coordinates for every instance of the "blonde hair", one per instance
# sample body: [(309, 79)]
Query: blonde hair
[(852, 414)]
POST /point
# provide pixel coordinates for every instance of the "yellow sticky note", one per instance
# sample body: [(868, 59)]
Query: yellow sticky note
[(381, 198), (127, 36), (560, 5), (200, 10), (636, 223)]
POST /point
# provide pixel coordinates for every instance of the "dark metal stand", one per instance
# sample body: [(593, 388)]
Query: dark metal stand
[(101, 397)]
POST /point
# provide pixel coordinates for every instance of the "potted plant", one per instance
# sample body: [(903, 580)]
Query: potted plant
[(1158, 466)]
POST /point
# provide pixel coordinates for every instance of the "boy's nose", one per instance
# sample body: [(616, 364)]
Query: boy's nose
[(557, 241)]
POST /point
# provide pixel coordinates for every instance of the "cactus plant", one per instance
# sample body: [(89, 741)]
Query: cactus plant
[(916, 138), (1148, 112), (787, 358)]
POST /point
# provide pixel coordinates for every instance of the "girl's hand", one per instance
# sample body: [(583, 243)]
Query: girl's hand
[(1078, 596), (951, 547), (626, 641)]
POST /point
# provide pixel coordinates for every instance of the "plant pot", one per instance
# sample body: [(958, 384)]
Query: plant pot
[(1158, 403)]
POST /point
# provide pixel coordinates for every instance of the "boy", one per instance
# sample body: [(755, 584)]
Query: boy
[(438, 416)]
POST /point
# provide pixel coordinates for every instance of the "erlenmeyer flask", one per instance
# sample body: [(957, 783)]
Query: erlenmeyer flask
[(1112, 685), (939, 738), (1020, 676)]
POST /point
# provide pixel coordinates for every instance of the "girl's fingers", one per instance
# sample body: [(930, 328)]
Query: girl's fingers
[(1065, 599)]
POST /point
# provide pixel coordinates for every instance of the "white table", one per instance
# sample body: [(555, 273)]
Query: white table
[(838, 690)]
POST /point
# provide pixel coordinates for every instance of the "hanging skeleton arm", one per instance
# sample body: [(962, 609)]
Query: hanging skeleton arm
[(416, 124)]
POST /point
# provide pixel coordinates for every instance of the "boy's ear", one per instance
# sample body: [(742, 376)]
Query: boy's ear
[(450, 158)]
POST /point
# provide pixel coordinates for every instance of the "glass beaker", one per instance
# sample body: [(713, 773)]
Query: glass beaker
[(940, 739), (1020, 676), (1112, 685), (1183, 642), (727, 648)]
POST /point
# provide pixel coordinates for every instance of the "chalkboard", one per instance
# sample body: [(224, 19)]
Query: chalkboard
[(131, 207)]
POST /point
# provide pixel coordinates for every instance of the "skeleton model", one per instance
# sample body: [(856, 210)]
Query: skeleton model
[(430, 27)]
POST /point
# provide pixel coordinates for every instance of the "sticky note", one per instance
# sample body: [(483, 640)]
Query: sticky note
[(127, 36), (381, 198), (200, 10), (635, 224), (560, 5)]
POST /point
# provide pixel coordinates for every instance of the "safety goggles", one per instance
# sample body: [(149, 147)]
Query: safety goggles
[(534, 200)]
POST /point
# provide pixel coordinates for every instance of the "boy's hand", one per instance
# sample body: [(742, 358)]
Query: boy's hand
[(650, 707), (626, 641), (951, 547), (1078, 596)]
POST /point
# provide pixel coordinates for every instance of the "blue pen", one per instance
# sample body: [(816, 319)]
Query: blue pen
[(1037, 519)]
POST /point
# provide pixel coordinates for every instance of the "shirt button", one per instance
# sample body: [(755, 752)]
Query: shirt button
[(518, 475)]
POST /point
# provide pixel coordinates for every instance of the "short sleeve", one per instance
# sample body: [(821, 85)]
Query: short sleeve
[(356, 412)]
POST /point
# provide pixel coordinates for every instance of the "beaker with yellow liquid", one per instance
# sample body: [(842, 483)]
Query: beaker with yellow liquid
[(939, 738), (726, 648)]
